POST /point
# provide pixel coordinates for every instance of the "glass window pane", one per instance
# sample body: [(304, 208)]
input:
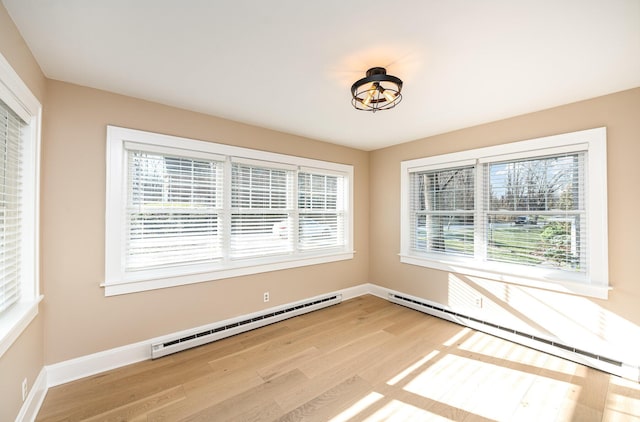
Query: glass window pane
[(550, 241), (540, 184), (320, 230), (450, 234), (11, 205), (257, 234), (172, 211), (442, 190), (258, 187), (438, 201), (321, 222)]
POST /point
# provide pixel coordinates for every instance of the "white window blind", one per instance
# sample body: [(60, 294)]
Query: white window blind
[(532, 211), (20, 113), (527, 212), (10, 206), (535, 212), (183, 211), (442, 210), (261, 210), (173, 210), (322, 210)]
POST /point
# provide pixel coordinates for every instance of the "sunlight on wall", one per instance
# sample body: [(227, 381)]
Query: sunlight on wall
[(574, 320)]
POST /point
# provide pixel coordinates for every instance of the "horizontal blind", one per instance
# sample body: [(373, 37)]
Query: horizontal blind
[(321, 210), (442, 205), (261, 210), (173, 210), (11, 168), (535, 211)]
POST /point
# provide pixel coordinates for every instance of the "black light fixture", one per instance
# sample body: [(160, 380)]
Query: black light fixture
[(376, 91)]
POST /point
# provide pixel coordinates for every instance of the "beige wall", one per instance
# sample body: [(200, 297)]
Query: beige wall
[(17, 53), (610, 325), (79, 319), (26, 356)]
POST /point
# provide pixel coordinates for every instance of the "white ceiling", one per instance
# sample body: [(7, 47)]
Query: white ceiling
[(289, 64)]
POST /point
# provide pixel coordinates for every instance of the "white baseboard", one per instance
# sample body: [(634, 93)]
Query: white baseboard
[(378, 291), (33, 402), (74, 369), (628, 370), (351, 292), (84, 366)]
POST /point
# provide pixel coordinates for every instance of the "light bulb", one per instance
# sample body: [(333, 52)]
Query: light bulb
[(388, 94), (371, 92)]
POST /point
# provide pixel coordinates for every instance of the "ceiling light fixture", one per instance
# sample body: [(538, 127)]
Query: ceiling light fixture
[(376, 91)]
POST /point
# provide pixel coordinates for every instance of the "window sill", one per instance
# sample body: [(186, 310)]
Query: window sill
[(161, 279), (562, 286), (15, 321)]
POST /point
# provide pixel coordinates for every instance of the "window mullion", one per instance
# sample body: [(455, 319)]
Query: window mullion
[(294, 213), (225, 217), (480, 216)]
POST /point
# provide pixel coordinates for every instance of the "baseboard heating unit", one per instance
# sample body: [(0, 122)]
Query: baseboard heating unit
[(546, 345), (231, 327)]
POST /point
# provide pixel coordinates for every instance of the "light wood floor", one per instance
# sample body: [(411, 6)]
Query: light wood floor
[(365, 359)]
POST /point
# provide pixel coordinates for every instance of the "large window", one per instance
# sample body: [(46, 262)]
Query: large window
[(527, 212), (183, 211), (19, 174)]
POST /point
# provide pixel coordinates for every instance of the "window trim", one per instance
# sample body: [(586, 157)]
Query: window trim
[(118, 282), (595, 283), (15, 93)]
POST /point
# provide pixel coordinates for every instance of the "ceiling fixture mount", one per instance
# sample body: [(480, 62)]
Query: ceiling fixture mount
[(376, 91)]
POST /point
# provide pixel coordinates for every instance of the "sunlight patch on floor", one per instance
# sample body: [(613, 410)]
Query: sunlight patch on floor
[(457, 337), (357, 408), (397, 410), (500, 349), (411, 369), (474, 386), (623, 401)]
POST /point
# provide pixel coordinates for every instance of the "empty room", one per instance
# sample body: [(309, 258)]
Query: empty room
[(319, 211)]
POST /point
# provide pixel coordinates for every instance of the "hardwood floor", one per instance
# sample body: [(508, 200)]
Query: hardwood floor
[(364, 359)]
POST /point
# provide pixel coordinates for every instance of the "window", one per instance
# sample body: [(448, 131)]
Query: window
[(10, 206), (172, 210), (19, 174), (183, 211), (261, 204), (527, 212), (443, 208)]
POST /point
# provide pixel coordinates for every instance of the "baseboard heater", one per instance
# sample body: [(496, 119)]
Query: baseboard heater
[(547, 345), (228, 328)]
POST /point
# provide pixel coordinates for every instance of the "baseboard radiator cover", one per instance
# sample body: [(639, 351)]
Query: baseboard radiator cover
[(228, 328), (547, 345)]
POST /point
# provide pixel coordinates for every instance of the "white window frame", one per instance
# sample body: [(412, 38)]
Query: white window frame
[(15, 93), (117, 281), (593, 283)]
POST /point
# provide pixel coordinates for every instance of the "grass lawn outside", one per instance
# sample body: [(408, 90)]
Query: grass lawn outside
[(507, 242)]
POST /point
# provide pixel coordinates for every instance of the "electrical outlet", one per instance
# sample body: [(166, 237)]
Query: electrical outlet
[(265, 296), (25, 389), (478, 302)]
